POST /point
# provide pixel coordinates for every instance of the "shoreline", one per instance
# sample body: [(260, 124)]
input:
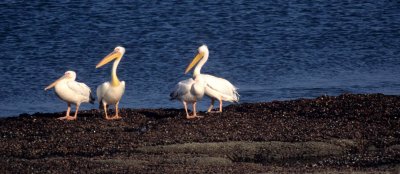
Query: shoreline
[(345, 133)]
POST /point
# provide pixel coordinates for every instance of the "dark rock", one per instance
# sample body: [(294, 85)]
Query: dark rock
[(366, 125)]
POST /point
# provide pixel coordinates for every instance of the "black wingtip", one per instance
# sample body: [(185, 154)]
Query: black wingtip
[(172, 96), (100, 105), (91, 99)]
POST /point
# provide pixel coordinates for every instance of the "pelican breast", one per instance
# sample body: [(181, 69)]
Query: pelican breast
[(109, 94), (188, 90)]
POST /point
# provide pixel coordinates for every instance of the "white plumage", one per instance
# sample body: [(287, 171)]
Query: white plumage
[(189, 91), (110, 93), (72, 92), (219, 88), (192, 90), (215, 87)]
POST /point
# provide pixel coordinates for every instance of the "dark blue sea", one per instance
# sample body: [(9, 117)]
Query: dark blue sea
[(271, 50)]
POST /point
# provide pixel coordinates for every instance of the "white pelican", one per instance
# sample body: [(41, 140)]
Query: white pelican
[(189, 91), (216, 88), (72, 92), (111, 92)]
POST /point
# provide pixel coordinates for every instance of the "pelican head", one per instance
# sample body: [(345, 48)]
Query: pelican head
[(201, 51), (70, 75), (116, 54)]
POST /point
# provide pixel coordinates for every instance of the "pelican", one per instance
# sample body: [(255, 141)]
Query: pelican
[(216, 88), (72, 92), (110, 93), (189, 91)]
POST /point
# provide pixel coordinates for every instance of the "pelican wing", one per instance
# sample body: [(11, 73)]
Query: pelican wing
[(182, 88), (220, 87), (101, 90), (81, 89)]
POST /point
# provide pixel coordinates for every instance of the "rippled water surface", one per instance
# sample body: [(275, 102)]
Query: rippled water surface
[(271, 50)]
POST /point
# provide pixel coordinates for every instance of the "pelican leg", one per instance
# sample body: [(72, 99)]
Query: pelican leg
[(194, 111), (105, 111), (211, 106), (76, 113), (220, 106), (68, 110), (187, 113), (116, 117), (67, 117)]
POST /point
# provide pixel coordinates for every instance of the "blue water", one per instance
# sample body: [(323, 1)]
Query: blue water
[(271, 50)]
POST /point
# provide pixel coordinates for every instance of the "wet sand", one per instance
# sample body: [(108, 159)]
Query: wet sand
[(346, 133)]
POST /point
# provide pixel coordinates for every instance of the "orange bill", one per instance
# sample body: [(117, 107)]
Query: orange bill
[(108, 58), (194, 62)]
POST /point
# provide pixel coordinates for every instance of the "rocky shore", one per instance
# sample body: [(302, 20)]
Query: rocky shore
[(346, 133)]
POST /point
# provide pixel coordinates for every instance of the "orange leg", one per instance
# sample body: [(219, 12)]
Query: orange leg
[(187, 113), (105, 112), (116, 117), (211, 106), (194, 111), (220, 105), (67, 117), (76, 113)]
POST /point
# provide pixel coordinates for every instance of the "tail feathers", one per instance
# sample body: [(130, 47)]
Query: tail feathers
[(91, 98), (230, 98), (236, 101), (172, 96), (236, 97)]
